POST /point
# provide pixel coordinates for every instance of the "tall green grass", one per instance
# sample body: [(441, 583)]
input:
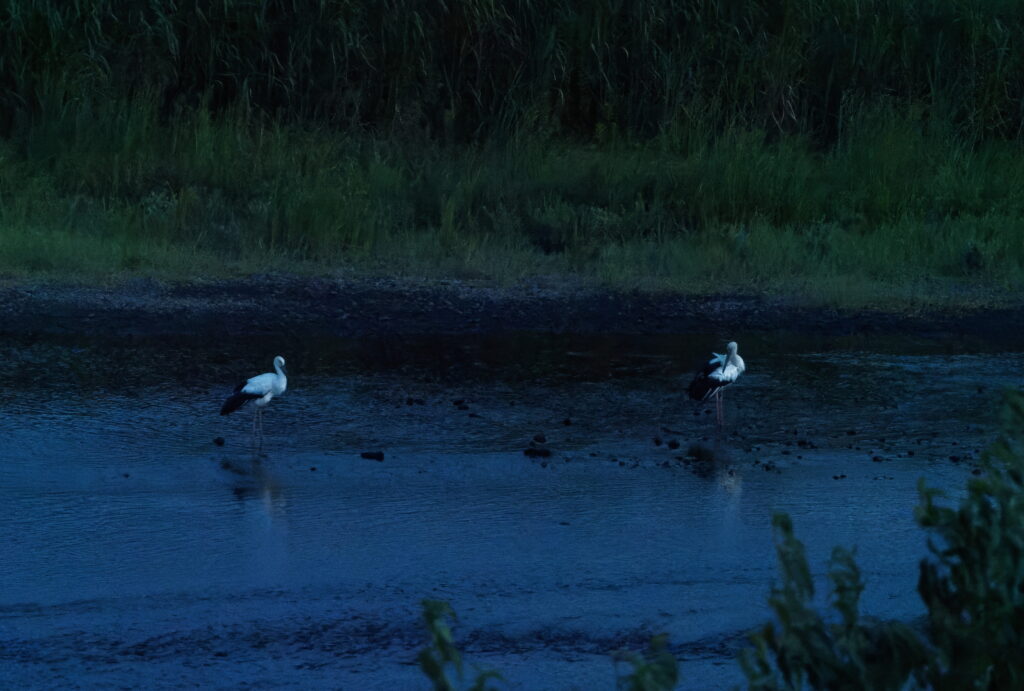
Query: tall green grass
[(855, 151), (465, 68), (893, 212)]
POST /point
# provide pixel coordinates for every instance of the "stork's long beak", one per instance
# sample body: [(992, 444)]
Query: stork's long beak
[(284, 370)]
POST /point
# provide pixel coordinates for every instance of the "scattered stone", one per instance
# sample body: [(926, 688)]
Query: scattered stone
[(566, 422), (955, 459), (657, 441), (463, 407), (219, 441), (785, 452), (851, 432), (459, 401), (700, 453), (877, 459), (673, 444), (373, 455), (532, 452), (312, 468), (127, 475), (473, 415), (976, 471), (540, 438)]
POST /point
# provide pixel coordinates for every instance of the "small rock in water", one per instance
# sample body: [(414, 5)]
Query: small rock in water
[(219, 441), (657, 441), (566, 422), (312, 468), (463, 407), (459, 401), (673, 444), (373, 455), (536, 453), (539, 438), (877, 459), (976, 471), (700, 453)]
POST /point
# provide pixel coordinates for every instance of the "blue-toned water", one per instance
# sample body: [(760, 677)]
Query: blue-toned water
[(136, 552)]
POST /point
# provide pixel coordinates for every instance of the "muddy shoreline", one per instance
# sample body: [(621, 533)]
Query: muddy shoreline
[(354, 308)]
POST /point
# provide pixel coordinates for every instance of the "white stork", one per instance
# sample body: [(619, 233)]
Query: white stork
[(720, 371), (261, 389)]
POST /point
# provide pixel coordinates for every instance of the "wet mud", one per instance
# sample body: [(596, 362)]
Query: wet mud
[(310, 307), (142, 552)]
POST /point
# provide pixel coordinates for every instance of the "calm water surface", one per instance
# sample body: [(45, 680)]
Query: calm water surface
[(139, 553)]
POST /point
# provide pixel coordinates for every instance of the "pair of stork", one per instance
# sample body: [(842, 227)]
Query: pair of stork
[(723, 369)]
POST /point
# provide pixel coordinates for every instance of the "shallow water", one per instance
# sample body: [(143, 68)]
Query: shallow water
[(137, 552)]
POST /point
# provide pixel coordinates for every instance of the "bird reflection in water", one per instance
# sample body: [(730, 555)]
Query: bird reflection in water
[(262, 488)]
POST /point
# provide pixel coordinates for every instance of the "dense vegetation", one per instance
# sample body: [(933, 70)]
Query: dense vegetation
[(972, 586), (854, 149)]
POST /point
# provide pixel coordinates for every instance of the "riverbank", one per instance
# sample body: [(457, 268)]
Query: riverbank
[(302, 306)]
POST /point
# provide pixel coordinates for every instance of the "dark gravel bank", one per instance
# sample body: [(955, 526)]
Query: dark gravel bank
[(305, 306)]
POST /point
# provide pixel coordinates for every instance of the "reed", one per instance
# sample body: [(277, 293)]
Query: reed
[(828, 149), (467, 68)]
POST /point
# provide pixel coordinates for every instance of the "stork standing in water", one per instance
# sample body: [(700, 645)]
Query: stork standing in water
[(261, 389), (711, 381)]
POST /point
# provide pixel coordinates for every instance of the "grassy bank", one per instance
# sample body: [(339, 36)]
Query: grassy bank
[(894, 212), (807, 149)]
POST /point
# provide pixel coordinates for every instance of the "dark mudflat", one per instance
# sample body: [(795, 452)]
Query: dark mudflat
[(310, 306)]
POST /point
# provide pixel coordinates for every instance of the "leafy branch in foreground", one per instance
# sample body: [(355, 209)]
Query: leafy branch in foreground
[(656, 669), (804, 649), (973, 587), (442, 654)]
